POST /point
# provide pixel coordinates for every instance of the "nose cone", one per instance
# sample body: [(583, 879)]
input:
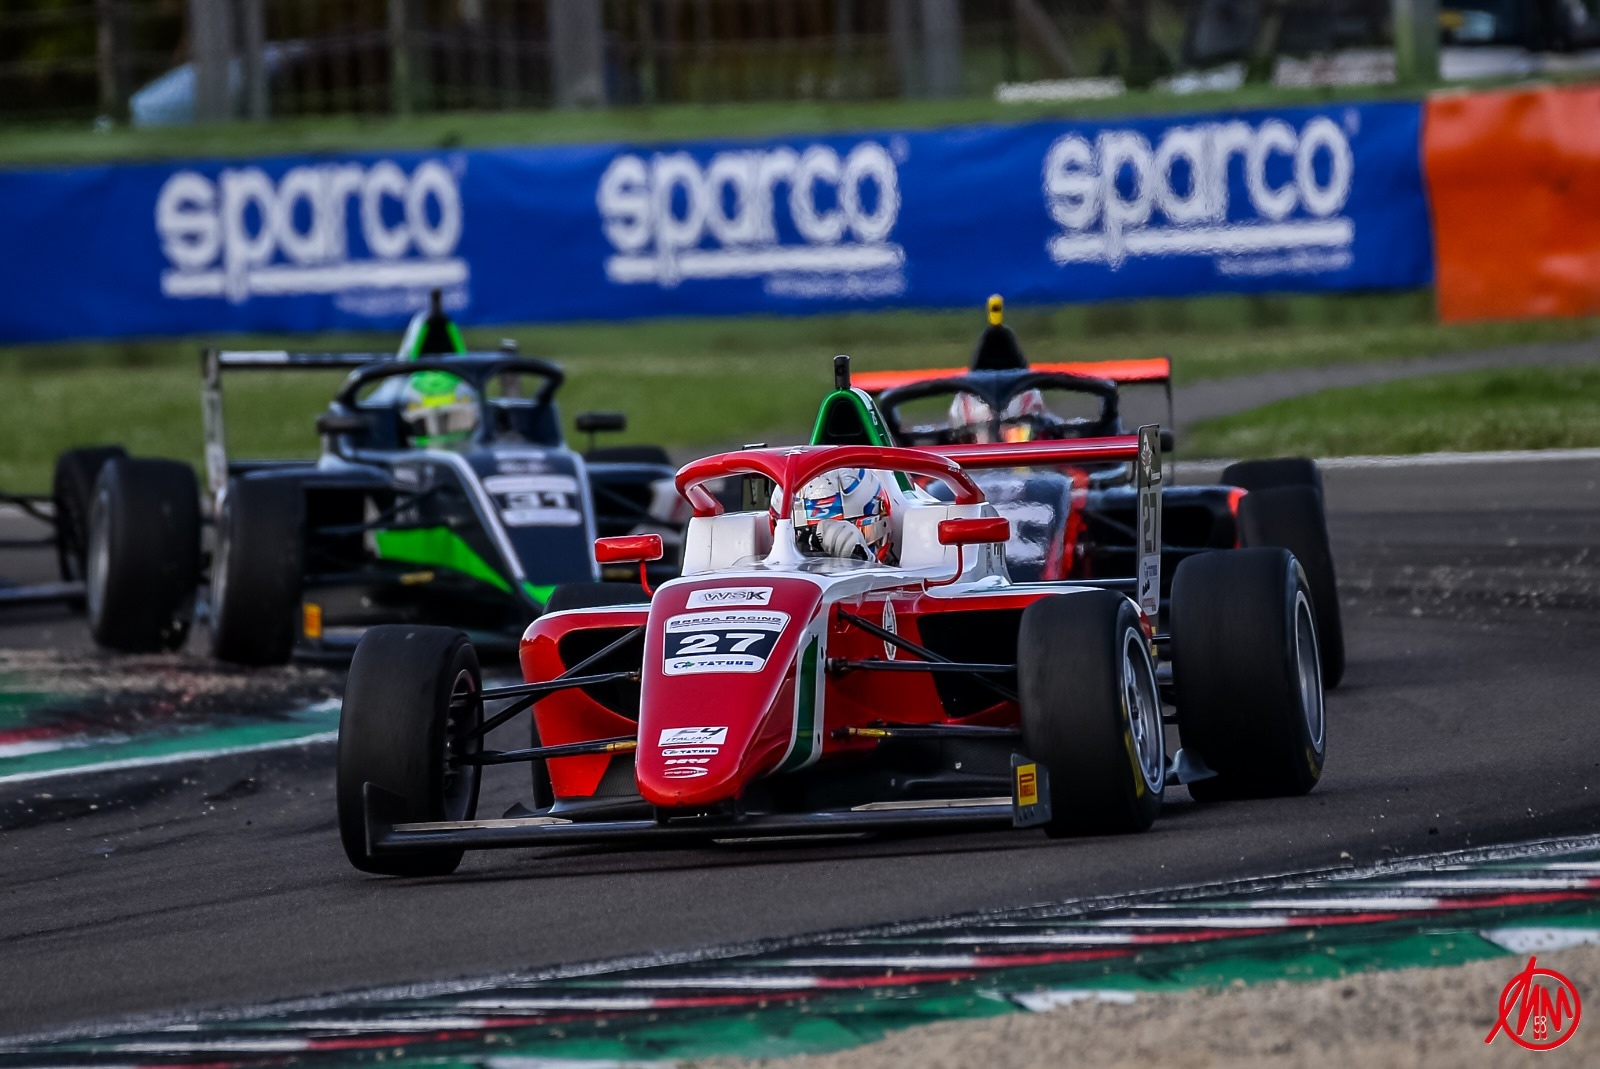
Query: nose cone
[(718, 687)]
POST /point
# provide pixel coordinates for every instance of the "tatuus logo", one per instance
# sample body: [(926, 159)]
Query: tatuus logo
[(799, 216), (317, 229), (1120, 197)]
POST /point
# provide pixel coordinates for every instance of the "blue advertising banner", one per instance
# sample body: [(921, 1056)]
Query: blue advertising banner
[(1294, 200)]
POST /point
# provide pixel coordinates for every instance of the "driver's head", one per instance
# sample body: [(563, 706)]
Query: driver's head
[(971, 419), (439, 409), (856, 496), (1019, 422)]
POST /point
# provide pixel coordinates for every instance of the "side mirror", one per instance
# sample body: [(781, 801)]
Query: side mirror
[(594, 422), (1168, 440), (340, 423), (628, 549), (974, 531)]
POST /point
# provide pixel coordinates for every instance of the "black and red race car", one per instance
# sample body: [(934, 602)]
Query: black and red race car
[(768, 691), (1077, 521)]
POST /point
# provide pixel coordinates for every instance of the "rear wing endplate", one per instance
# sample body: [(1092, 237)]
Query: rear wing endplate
[(1147, 480), (212, 364)]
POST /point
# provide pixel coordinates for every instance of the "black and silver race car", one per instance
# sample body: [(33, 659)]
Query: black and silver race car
[(476, 515), (1078, 522)]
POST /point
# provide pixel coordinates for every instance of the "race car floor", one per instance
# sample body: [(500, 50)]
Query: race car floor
[(1466, 718)]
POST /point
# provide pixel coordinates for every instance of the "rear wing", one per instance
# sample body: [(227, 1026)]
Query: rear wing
[(1143, 449), (212, 364), (1157, 370)]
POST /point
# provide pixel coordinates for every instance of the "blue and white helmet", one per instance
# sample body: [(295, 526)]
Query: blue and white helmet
[(854, 495)]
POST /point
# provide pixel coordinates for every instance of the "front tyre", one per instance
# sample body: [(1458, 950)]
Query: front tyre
[(255, 572), (1247, 673), (1091, 712), (143, 560), (413, 696)]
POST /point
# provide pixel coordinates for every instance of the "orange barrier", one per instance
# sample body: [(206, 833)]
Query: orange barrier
[(1514, 181)]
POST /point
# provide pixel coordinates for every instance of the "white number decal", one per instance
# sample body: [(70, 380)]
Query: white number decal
[(743, 640), (706, 642)]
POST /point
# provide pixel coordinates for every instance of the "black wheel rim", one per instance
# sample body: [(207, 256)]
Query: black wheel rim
[(1141, 706), (1308, 670), (466, 713)]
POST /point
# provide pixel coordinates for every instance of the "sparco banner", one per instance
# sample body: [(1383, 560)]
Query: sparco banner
[(1303, 199)]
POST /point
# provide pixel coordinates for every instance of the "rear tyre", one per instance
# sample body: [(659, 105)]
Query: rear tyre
[(594, 595), (1292, 517), (255, 572), (143, 561), (72, 491), (1091, 713), (1246, 671), (411, 696), (1268, 474)]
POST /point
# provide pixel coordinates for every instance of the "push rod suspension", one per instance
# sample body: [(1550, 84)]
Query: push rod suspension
[(927, 731), (839, 664), (620, 744), (532, 692), (919, 651)]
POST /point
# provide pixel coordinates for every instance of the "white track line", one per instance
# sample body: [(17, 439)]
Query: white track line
[(1417, 460), (170, 759)]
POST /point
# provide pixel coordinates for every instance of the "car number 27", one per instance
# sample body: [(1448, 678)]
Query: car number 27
[(726, 640), (752, 643)]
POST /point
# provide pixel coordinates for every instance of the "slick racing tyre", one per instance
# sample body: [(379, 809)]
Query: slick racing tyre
[(1292, 517), (1246, 672), (255, 571), (143, 561), (72, 492), (411, 696), (1091, 712), (1268, 474), (594, 596)]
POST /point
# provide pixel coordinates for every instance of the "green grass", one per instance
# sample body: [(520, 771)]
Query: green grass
[(42, 144), (700, 382), (1529, 408)]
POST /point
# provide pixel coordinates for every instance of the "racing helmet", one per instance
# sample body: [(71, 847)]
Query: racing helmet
[(855, 495), (972, 420), (1017, 422), (439, 409)]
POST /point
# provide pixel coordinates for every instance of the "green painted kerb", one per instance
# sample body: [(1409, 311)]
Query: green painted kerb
[(438, 547)]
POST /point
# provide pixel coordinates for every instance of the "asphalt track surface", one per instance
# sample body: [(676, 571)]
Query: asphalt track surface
[(1467, 717)]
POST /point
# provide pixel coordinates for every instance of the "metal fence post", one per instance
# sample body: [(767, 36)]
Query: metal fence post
[(211, 37), (1416, 41), (253, 46), (400, 96), (109, 62), (577, 53), (903, 48), (941, 47)]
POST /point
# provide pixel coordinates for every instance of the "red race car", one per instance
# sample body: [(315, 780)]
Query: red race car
[(780, 688)]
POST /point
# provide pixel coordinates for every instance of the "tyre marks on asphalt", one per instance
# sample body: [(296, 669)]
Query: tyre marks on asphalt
[(844, 989), (62, 715)]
